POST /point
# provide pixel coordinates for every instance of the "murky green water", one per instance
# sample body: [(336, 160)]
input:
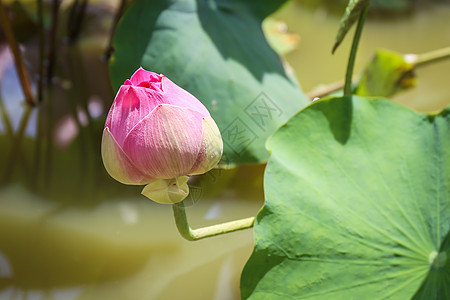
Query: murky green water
[(68, 231), (422, 31)]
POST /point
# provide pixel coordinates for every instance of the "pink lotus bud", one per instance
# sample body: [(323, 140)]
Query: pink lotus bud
[(155, 134)]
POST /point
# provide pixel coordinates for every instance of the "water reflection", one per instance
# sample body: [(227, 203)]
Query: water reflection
[(67, 128), (12, 96), (55, 294), (119, 249)]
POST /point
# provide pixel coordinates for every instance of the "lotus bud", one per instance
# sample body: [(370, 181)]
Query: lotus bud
[(156, 134)]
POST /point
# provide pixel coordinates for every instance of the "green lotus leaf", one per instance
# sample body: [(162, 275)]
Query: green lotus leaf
[(357, 205), (216, 50)]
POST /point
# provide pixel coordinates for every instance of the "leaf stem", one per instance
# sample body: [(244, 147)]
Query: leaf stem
[(189, 234), (354, 49), (418, 60), (429, 57), (18, 60)]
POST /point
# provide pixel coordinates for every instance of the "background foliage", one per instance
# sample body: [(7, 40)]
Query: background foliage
[(217, 51)]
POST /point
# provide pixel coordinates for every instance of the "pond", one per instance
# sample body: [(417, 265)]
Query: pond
[(69, 231)]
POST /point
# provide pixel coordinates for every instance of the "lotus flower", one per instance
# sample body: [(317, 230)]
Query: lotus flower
[(156, 134)]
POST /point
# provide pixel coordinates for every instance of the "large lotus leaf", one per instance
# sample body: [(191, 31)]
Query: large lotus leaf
[(357, 205), (217, 51)]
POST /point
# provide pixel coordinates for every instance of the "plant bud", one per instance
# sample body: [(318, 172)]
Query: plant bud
[(156, 133)]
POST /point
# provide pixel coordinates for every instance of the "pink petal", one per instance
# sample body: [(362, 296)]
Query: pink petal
[(166, 143), (142, 75), (211, 148), (131, 105), (180, 97), (117, 163)]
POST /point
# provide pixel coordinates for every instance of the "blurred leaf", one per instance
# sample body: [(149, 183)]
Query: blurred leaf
[(357, 205), (217, 51), (387, 74), (278, 37), (352, 12)]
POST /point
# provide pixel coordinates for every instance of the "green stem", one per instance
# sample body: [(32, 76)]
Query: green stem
[(432, 56), (189, 234), (354, 49), (418, 60)]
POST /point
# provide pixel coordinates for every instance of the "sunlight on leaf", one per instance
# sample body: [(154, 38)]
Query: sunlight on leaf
[(357, 203)]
